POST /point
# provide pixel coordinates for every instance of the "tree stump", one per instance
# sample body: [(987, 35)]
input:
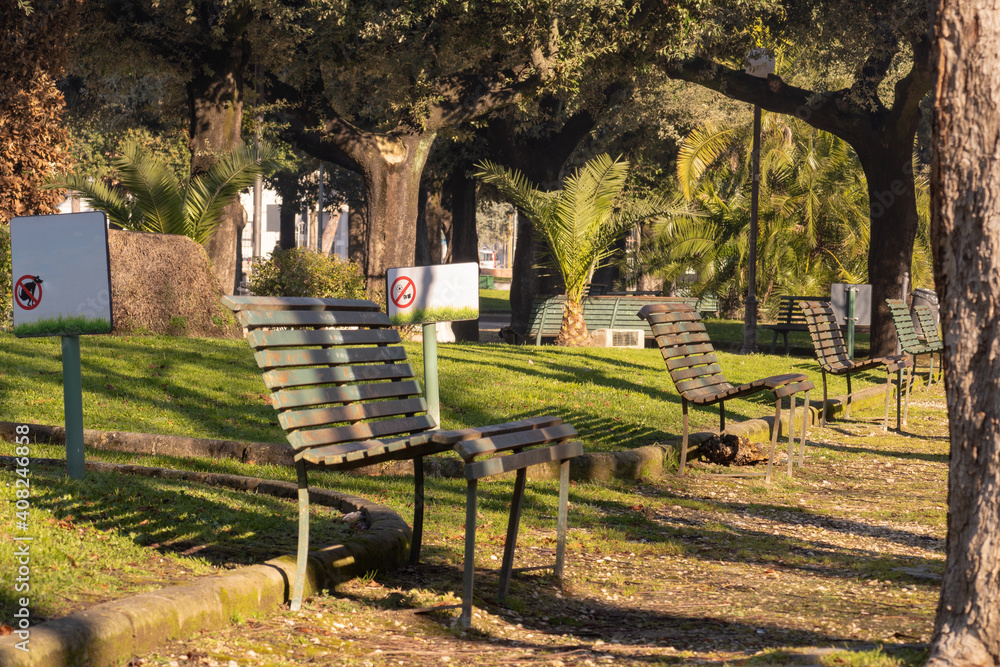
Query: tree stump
[(732, 450)]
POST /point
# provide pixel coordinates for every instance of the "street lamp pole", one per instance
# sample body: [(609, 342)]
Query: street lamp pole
[(760, 63)]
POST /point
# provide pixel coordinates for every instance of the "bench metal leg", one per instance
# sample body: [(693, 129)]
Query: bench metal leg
[(562, 521), (418, 510), (684, 440), (899, 396), (805, 423), (906, 409), (822, 419), (791, 433), (722, 417), (465, 620), (850, 393), (517, 501), (774, 440), (302, 558), (888, 395)]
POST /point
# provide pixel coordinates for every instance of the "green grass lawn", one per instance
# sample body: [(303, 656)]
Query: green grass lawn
[(494, 300), (212, 388)]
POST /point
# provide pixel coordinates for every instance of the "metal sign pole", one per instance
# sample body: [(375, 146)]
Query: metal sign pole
[(750, 310), (73, 405), (431, 372)]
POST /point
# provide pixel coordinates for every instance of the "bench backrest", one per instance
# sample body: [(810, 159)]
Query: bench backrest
[(909, 341), (789, 310), (928, 325), (828, 341), (335, 368), (686, 349)]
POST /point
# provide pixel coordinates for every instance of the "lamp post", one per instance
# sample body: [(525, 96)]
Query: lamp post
[(760, 63)]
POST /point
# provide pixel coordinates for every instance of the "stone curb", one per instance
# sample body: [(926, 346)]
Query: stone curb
[(112, 632)]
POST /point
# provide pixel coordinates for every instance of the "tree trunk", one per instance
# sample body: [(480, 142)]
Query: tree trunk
[(573, 332), (893, 205), (391, 168), (966, 239), (541, 160), (286, 185), (461, 195), (215, 105)]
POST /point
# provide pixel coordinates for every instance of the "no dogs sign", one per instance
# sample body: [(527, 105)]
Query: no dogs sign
[(442, 293), (62, 283)]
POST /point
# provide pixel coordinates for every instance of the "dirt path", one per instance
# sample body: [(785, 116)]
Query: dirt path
[(676, 571)]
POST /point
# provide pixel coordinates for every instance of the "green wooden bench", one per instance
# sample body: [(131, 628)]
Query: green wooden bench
[(697, 375), (611, 311), (790, 318), (909, 339), (347, 398), (929, 331), (831, 352)]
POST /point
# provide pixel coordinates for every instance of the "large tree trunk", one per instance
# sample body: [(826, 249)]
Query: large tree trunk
[(391, 170), (966, 240), (215, 104), (461, 196), (893, 205), (541, 160)]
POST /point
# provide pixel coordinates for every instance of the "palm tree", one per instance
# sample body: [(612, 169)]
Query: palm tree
[(813, 211), (150, 198), (580, 223)]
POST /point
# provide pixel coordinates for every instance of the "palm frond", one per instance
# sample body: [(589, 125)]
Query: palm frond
[(698, 152), (158, 197), (98, 195), (208, 194)]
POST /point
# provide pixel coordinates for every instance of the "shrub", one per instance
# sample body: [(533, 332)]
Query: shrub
[(303, 272), (6, 280)]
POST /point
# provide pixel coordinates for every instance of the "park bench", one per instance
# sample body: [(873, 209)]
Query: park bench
[(611, 311), (697, 375), (347, 398), (906, 333), (790, 318), (929, 331), (831, 352)]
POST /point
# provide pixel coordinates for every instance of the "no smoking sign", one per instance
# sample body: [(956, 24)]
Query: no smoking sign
[(403, 292)]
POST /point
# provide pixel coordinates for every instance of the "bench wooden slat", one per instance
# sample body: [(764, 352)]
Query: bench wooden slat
[(501, 464), (299, 377), (298, 398), (452, 437), (352, 412), (685, 373), (362, 431), (687, 362), (242, 303), (254, 319), (334, 356), (470, 449), (263, 338)]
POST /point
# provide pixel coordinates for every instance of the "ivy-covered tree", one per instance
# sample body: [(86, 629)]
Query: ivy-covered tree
[(33, 54)]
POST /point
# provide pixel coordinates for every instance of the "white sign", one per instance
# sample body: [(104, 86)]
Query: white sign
[(442, 293), (61, 276), (759, 63)]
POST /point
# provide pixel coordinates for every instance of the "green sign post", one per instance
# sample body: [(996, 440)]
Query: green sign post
[(62, 287)]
